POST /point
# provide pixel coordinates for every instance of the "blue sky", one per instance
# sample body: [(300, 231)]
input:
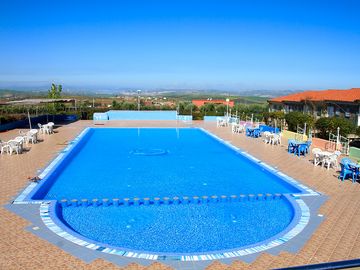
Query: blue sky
[(234, 45)]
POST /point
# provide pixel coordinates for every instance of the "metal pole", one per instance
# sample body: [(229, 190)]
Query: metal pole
[(227, 108), (337, 138), (28, 111), (138, 101)]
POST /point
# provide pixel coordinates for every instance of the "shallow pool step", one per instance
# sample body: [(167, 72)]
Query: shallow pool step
[(169, 200)]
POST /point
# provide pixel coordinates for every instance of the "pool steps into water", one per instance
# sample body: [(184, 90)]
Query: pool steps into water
[(169, 200)]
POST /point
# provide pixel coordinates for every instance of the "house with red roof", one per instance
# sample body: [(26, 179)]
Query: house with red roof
[(325, 103), (201, 102)]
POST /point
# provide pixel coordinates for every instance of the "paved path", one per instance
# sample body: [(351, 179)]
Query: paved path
[(337, 238)]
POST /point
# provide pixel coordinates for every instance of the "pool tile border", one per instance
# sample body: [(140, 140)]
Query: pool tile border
[(304, 218), (23, 197), (308, 191), (45, 210)]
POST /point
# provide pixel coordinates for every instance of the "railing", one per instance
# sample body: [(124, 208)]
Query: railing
[(301, 133), (344, 145), (42, 119), (340, 143), (292, 135), (332, 143), (300, 130), (184, 118), (299, 136)]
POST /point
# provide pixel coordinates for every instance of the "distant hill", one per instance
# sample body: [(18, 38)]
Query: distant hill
[(244, 96), (18, 94)]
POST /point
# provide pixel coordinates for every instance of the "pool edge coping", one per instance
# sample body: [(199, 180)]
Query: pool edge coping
[(306, 191), (287, 234), (299, 222)]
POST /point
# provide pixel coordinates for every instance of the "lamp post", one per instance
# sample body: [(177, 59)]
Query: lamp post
[(337, 138), (227, 107), (138, 99)]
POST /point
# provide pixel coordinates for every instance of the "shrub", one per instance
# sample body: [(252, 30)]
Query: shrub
[(326, 125), (295, 119), (269, 117)]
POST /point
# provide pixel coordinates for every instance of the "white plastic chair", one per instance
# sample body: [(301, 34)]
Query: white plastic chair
[(4, 147), (30, 136), (33, 135), (275, 139), (267, 136), (241, 128), (318, 157), (237, 128), (331, 161), (14, 146), (20, 140), (41, 128), (50, 126), (221, 122)]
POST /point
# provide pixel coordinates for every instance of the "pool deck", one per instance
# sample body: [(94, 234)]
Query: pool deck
[(336, 238)]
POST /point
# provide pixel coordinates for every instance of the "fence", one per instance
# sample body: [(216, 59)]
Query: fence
[(185, 118), (325, 144), (294, 136), (140, 115), (339, 142), (39, 119)]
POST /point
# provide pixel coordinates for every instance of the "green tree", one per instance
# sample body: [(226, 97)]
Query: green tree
[(295, 119), (189, 108), (220, 109), (115, 104), (326, 125), (128, 106), (270, 117), (54, 93), (208, 109), (182, 107), (244, 110), (358, 131)]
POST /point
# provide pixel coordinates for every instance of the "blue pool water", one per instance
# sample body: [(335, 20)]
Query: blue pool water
[(182, 228), (120, 162), (166, 162)]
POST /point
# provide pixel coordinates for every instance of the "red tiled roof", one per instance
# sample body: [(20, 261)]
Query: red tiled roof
[(201, 102), (350, 95)]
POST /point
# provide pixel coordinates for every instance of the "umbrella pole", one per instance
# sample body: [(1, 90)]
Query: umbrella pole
[(28, 111)]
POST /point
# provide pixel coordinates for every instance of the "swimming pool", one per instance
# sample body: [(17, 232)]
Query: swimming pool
[(168, 191)]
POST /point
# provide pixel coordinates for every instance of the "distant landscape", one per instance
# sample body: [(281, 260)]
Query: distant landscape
[(187, 94)]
